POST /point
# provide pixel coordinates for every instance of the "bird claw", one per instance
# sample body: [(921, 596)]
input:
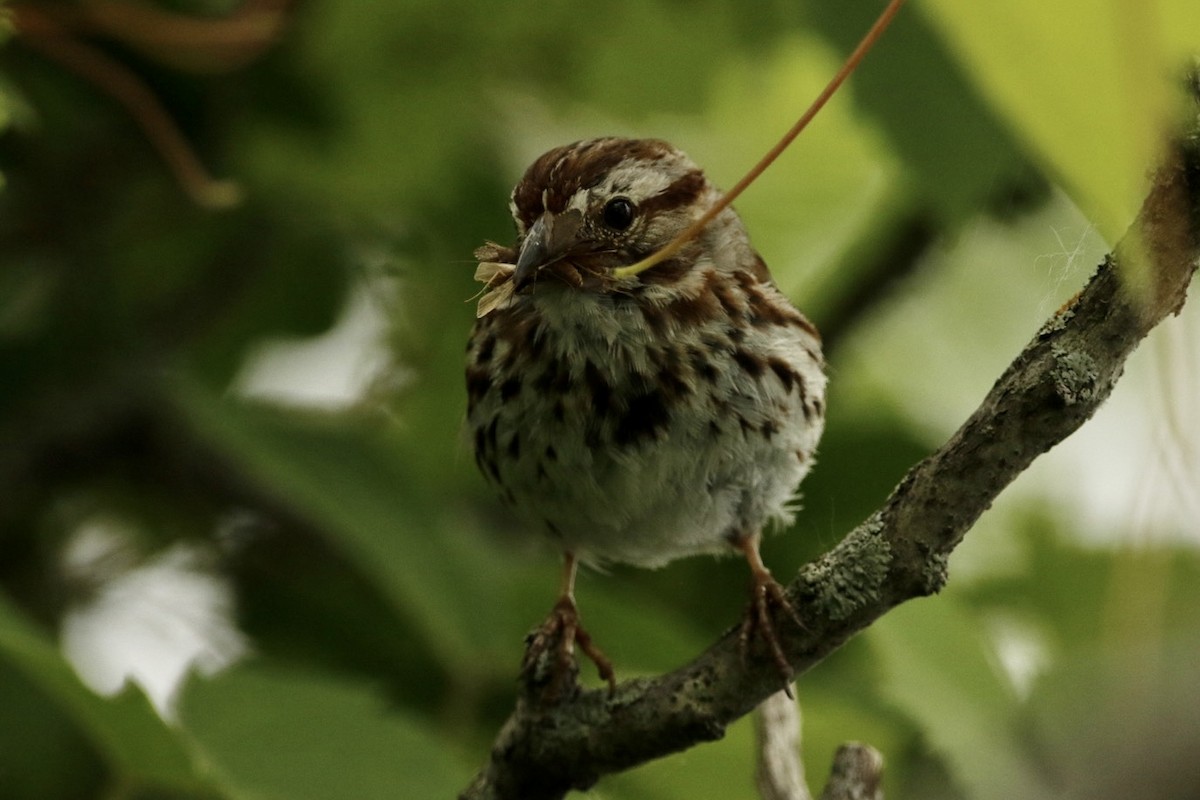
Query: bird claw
[(557, 637), (767, 594)]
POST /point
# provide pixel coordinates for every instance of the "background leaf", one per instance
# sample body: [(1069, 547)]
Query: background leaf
[(944, 674), (279, 734), (125, 733), (1086, 92)]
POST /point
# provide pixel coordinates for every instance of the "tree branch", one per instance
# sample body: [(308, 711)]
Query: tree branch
[(1055, 384)]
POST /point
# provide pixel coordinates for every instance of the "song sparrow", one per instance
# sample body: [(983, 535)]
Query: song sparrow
[(638, 419)]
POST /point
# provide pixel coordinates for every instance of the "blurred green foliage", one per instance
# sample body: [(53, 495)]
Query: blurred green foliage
[(383, 590)]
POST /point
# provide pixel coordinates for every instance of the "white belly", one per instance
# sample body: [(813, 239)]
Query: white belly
[(629, 447)]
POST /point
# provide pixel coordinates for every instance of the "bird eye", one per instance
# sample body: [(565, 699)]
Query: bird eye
[(618, 213)]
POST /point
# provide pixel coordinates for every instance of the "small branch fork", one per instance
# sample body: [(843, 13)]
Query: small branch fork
[(1055, 385)]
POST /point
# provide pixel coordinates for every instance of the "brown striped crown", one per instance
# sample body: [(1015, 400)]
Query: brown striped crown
[(564, 204), (559, 174)]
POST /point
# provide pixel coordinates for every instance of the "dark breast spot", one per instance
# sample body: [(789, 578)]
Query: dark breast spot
[(646, 418), (600, 391), (489, 435), (490, 468), (672, 384), (555, 378), (693, 311), (767, 307), (536, 343), (510, 388), (753, 365), (486, 348), (767, 311), (744, 279), (479, 381), (787, 376), (729, 299), (671, 372), (813, 409), (760, 270), (702, 366), (656, 319)]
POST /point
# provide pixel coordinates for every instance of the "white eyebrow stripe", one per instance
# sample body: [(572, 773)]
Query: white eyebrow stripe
[(635, 179), (642, 180), (579, 200)]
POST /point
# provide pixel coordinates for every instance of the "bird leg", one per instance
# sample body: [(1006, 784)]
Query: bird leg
[(766, 593), (560, 632)]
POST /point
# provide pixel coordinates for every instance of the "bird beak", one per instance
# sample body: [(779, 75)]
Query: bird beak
[(549, 238)]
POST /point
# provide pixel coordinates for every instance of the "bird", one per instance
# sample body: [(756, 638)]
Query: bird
[(639, 418)]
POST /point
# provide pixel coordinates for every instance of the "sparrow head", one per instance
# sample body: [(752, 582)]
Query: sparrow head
[(598, 204)]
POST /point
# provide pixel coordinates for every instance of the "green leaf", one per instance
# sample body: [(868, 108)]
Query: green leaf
[(939, 669), (43, 752), (1085, 85), (125, 730), (272, 733), (724, 769), (467, 596), (956, 150), (1122, 722)]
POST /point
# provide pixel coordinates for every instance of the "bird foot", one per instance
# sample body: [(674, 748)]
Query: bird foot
[(556, 638), (766, 597)]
